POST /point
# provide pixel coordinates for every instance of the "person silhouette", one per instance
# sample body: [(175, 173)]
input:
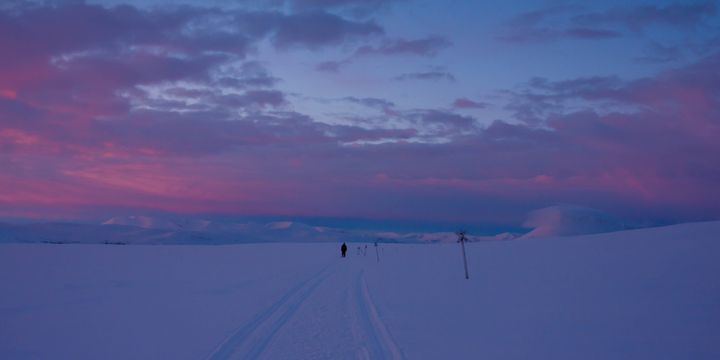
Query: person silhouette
[(343, 249)]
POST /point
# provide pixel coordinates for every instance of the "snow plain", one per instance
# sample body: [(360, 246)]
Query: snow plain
[(640, 294)]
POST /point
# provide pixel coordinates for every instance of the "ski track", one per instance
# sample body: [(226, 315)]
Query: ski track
[(258, 332), (252, 339), (382, 345)]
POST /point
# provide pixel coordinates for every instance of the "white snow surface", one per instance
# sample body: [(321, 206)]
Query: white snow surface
[(640, 294)]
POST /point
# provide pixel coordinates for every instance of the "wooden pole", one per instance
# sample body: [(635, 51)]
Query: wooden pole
[(462, 242), (462, 239), (377, 254)]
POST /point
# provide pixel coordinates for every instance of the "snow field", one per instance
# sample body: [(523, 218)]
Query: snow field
[(642, 294)]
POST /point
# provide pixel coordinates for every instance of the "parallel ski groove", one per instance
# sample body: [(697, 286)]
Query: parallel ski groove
[(374, 350), (390, 349), (259, 346), (239, 337)]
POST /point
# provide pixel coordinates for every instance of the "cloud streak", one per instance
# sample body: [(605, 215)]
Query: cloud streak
[(431, 75)]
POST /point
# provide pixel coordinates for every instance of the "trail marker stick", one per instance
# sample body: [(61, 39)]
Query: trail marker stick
[(462, 239), (377, 254)]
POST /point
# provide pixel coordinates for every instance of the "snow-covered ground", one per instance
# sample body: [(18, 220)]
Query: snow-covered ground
[(641, 294)]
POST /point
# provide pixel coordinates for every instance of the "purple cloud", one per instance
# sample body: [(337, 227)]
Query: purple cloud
[(638, 18), (465, 103), (254, 98), (659, 53), (432, 75), (428, 46), (446, 120), (251, 74), (331, 66), (572, 22), (318, 29), (370, 102), (531, 27), (353, 7)]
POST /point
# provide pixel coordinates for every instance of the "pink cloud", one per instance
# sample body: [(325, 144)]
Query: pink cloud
[(8, 94), (464, 103)]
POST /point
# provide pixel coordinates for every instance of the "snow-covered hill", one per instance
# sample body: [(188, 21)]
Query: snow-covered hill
[(640, 294), (564, 220)]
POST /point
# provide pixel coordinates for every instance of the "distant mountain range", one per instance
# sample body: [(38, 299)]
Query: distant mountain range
[(561, 220), (149, 230)]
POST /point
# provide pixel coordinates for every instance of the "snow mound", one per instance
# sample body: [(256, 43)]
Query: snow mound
[(564, 220)]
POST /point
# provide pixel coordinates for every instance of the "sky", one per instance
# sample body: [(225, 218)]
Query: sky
[(462, 112)]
